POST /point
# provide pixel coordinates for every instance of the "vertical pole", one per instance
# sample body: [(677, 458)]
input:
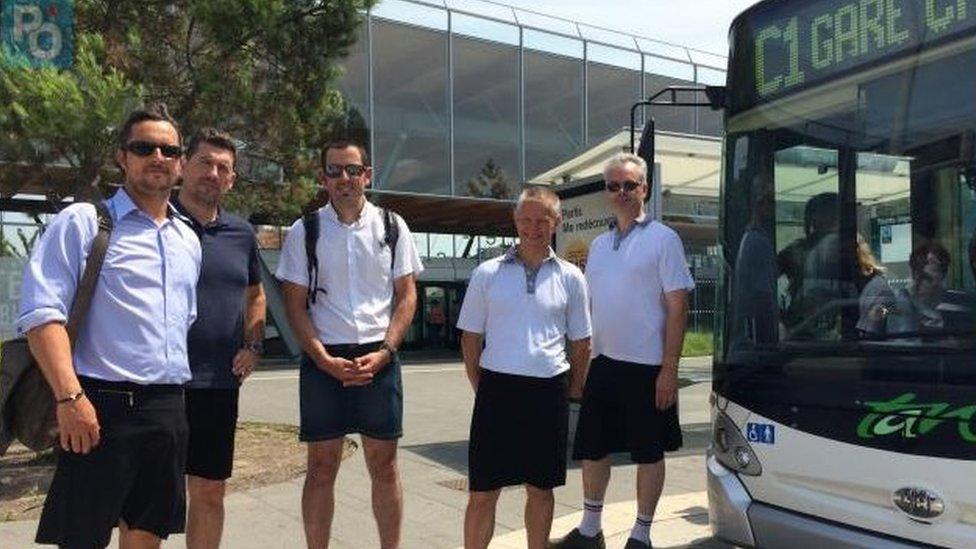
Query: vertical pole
[(369, 86), (695, 110), (450, 102), (643, 89), (523, 176), (585, 95)]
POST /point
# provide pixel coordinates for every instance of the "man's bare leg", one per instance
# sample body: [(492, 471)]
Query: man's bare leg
[(650, 484), (479, 519), (205, 516), (318, 494), (136, 539), (538, 516), (387, 492), (596, 477)]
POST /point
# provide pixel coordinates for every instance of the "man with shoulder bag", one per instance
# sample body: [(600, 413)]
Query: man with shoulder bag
[(119, 389), (27, 407)]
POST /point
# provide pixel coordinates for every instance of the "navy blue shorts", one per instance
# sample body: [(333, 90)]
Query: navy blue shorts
[(328, 410)]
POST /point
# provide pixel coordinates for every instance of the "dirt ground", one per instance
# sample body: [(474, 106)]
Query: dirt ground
[(265, 453)]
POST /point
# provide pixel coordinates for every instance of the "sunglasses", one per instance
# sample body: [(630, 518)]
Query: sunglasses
[(144, 148), (352, 170), (628, 186)]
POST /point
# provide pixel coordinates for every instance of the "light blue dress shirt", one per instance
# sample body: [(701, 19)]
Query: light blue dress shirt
[(145, 299)]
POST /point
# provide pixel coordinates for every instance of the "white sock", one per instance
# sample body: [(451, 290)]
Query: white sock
[(642, 529), (592, 515)]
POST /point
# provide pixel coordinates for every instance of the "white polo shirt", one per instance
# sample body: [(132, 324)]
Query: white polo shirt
[(354, 271), (628, 278), (526, 316)]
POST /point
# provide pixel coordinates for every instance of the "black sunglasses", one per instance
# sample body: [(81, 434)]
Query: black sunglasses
[(628, 186), (144, 148), (352, 170)]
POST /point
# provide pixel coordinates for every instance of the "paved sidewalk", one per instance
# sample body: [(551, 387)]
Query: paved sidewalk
[(680, 521), (433, 463)]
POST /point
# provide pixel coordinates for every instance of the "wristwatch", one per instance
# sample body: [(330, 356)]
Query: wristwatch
[(389, 349), (255, 347)]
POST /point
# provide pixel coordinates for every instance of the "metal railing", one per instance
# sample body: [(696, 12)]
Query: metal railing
[(717, 61)]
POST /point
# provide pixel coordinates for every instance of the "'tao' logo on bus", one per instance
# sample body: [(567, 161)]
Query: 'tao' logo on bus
[(38, 33)]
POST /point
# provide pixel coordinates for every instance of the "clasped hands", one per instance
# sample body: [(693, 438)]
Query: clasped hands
[(357, 371)]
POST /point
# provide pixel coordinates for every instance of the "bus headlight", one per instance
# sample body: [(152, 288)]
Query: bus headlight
[(732, 449)]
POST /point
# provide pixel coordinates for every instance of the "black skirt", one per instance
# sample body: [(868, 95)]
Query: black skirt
[(518, 432), (618, 414)]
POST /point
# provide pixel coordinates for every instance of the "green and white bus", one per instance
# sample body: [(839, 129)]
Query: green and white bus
[(844, 393)]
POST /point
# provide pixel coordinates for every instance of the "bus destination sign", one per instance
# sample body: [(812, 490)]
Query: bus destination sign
[(823, 38)]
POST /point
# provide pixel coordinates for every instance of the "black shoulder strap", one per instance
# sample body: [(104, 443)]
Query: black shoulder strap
[(93, 266), (310, 221), (391, 234)]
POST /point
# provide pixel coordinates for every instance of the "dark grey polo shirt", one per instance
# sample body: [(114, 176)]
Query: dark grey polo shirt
[(230, 265)]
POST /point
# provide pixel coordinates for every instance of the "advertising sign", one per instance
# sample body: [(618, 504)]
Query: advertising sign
[(38, 33), (586, 214), (11, 277)]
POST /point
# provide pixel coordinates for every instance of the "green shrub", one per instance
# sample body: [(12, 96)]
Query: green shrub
[(697, 344)]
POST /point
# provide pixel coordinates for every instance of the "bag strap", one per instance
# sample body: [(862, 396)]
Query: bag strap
[(391, 234), (93, 266), (310, 222)]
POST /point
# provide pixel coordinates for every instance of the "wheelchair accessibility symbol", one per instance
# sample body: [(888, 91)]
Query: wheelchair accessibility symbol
[(761, 433)]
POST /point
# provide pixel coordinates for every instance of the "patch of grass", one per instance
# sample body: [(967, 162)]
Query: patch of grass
[(265, 453), (43, 458), (697, 344)]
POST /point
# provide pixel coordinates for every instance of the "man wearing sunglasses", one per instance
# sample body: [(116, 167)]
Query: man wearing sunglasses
[(350, 313), (226, 340), (639, 283), (119, 390)]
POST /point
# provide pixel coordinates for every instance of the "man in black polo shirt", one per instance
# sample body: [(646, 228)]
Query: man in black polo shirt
[(225, 342)]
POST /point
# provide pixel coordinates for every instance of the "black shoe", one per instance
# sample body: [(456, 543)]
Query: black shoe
[(636, 544), (576, 540)]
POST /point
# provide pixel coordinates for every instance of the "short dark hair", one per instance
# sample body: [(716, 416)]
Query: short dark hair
[(154, 112), (343, 144), (920, 256), (214, 138)]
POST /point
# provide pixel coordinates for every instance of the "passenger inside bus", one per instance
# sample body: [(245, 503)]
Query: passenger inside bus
[(876, 296), (811, 267), (754, 308), (917, 307)]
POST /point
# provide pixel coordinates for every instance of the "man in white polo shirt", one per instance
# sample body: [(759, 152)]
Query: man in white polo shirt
[(639, 282), (525, 305), (350, 313)]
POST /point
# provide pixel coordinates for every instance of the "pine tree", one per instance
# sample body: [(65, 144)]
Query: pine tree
[(490, 183)]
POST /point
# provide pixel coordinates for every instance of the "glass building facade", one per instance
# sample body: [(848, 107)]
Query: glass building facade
[(449, 95)]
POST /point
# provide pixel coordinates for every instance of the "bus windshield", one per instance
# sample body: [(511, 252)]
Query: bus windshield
[(849, 220)]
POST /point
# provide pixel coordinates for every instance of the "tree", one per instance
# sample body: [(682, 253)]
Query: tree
[(490, 183), (264, 70), (56, 127)]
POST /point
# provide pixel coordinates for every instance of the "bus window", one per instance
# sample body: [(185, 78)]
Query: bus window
[(807, 224), (884, 238)]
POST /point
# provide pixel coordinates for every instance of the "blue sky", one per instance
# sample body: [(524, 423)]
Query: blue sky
[(700, 24)]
